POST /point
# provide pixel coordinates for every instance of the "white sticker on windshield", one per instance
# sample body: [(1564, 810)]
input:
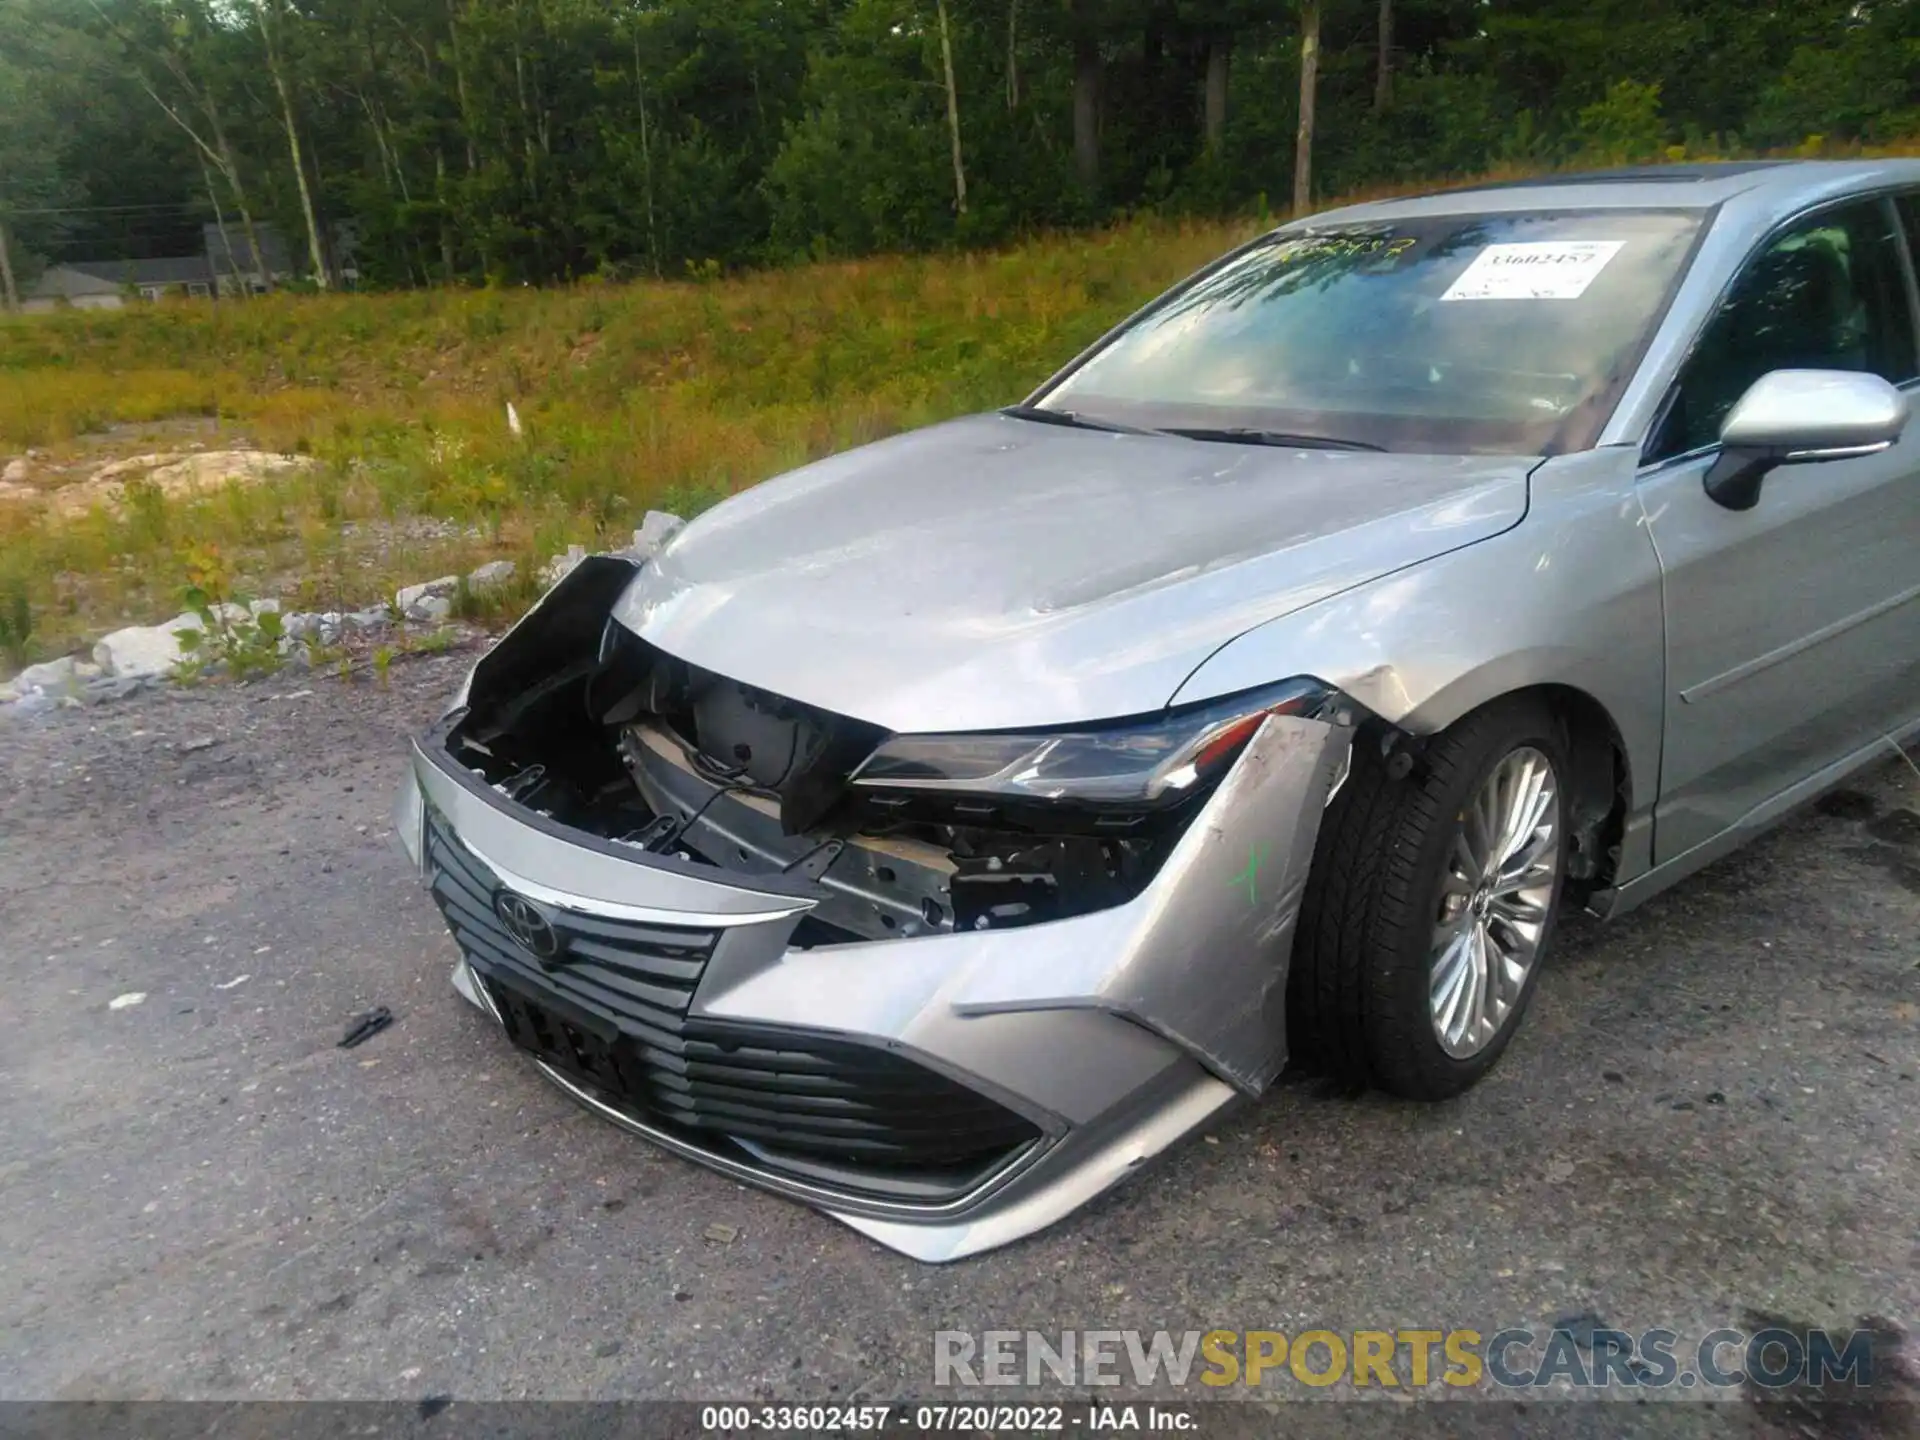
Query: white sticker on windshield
[(1538, 270)]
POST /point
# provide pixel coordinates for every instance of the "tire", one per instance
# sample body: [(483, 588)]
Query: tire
[(1358, 991)]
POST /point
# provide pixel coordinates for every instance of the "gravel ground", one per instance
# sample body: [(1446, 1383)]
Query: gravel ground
[(1708, 1120)]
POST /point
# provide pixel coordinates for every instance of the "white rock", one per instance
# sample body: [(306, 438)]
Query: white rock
[(430, 609), (16, 472), (127, 1001), (52, 676), (407, 596), (561, 566), (655, 530), (143, 649), (257, 608), (135, 465), (33, 703), (374, 617), (493, 573), (174, 474), (155, 649)]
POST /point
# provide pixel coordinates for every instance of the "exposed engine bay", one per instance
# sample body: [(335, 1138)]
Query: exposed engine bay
[(579, 720)]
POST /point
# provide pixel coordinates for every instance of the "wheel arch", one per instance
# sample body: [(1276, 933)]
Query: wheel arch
[(1602, 783)]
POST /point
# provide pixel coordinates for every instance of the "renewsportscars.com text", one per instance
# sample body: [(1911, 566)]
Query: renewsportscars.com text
[(1413, 1359)]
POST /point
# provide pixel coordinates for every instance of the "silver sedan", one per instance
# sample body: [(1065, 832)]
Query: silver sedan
[(938, 832)]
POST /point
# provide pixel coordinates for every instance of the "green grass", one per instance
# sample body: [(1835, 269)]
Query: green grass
[(668, 396)]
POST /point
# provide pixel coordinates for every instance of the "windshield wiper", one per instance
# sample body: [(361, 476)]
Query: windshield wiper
[(1068, 417), (1242, 436)]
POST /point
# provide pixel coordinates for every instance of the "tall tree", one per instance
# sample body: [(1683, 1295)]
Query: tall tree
[(1383, 57), (270, 24), (1013, 54), (1219, 61), (1309, 88), (953, 110), (1086, 91), (16, 187), (9, 287)]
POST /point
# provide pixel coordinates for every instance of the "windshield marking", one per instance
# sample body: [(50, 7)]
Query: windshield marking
[(1534, 270)]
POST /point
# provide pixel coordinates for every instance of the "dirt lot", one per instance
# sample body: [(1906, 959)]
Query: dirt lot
[(1710, 1119)]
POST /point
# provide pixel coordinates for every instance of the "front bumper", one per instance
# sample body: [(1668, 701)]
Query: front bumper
[(999, 1079)]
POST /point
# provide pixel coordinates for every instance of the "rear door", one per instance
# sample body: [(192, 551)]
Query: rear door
[(1793, 628)]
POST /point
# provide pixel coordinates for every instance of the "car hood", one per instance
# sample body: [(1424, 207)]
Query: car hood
[(993, 572)]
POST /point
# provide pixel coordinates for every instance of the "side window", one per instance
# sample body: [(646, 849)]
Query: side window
[(1909, 205), (1827, 294)]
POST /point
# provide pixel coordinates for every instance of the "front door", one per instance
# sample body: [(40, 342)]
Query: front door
[(1793, 628)]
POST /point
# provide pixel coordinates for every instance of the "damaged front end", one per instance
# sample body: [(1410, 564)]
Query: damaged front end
[(944, 987)]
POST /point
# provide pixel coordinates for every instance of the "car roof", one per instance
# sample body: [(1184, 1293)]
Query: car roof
[(1771, 187)]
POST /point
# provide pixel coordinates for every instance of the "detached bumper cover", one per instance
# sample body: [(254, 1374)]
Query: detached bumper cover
[(944, 1094)]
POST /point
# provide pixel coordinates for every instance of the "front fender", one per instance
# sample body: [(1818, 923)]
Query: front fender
[(1569, 597), (568, 619)]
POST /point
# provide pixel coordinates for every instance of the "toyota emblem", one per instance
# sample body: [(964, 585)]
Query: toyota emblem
[(527, 925)]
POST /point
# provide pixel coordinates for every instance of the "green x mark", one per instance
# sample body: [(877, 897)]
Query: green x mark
[(1255, 854)]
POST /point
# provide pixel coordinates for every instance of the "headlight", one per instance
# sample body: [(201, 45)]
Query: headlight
[(1153, 762)]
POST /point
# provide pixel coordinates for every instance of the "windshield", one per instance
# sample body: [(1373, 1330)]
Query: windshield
[(1485, 334)]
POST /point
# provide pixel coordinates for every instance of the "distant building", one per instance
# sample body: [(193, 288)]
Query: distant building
[(226, 265), (105, 284), (233, 262)]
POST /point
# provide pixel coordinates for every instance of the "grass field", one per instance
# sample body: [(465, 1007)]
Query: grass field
[(649, 395)]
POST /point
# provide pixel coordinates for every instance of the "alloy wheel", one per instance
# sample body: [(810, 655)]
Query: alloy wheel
[(1495, 900)]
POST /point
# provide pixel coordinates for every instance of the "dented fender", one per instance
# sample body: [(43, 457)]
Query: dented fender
[(1570, 599), (574, 610), (1201, 957)]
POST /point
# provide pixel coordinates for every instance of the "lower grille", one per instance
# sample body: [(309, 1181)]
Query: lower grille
[(605, 1002)]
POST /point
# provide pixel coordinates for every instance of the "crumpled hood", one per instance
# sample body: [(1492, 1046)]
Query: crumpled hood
[(993, 572)]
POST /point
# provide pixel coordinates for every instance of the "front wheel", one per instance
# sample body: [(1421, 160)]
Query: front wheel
[(1431, 905)]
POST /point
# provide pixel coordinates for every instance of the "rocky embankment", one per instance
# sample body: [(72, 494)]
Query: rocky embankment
[(140, 656)]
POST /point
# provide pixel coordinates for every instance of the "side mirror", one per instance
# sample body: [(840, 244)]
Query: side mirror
[(1796, 417)]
